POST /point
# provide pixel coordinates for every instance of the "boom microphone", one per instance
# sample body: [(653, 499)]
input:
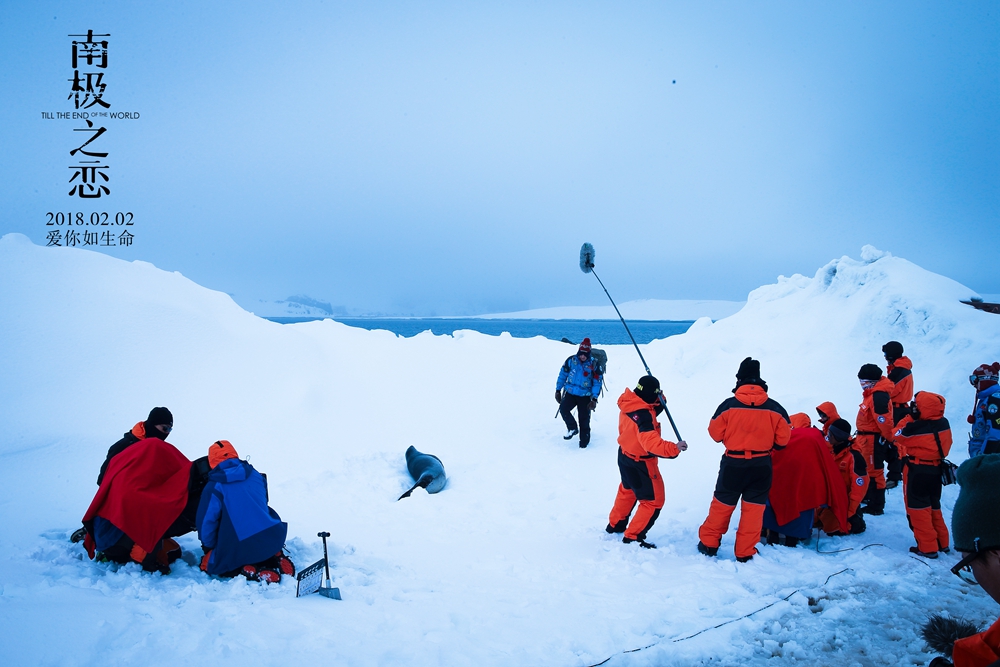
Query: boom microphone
[(587, 254)]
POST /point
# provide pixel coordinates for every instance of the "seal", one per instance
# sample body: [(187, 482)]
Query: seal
[(426, 469)]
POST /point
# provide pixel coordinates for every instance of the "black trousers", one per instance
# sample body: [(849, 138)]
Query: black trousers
[(749, 479), (582, 405)]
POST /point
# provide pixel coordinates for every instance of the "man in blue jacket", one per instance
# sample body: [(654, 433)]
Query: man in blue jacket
[(582, 379), (238, 531), (985, 435)]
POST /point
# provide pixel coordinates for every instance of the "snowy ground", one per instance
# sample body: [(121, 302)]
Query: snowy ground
[(510, 563)]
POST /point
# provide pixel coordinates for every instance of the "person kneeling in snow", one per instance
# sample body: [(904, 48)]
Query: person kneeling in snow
[(139, 505), (805, 478), (239, 533), (639, 444), (854, 475)]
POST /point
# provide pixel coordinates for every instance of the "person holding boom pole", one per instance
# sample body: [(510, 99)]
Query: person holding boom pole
[(639, 444)]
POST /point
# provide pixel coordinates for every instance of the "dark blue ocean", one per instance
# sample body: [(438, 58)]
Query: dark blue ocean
[(600, 332)]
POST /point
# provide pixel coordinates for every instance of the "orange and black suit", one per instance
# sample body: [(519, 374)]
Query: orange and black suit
[(639, 444), (750, 424), (923, 442), (854, 472), (875, 422), (828, 411), (900, 373)]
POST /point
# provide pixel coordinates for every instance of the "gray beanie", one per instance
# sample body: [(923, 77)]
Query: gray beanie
[(975, 521)]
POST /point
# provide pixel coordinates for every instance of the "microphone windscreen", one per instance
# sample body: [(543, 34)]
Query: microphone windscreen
[(586, 258)]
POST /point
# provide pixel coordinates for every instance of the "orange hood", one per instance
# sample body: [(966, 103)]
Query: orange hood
[(800, 420), (930, 405), (629, 402), (829, 409), (751, 394)]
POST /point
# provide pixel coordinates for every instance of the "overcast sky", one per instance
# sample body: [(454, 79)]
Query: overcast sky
[(451, 158)]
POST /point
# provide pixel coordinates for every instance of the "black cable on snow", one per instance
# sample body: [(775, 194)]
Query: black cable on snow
[(714, 627)]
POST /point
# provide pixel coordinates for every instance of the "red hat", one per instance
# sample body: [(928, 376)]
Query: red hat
[(219, 451), (584, 347), (985, 376)]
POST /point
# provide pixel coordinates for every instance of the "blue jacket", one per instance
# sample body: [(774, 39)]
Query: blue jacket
[(580, 379), (982, 429), (234, 520)]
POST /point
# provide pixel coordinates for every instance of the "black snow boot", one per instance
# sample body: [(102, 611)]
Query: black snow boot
[(744, 559), (791, 541), (876, 506), (925, 554), (618, 527), (642, 543), (708, 551)]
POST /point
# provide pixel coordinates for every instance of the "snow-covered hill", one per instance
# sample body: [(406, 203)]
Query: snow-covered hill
[(510, 563)]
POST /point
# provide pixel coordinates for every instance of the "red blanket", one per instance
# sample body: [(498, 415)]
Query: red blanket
[(806, 477), (143, 491)]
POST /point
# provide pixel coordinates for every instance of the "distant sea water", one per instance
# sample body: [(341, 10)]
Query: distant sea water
[(600, 332)]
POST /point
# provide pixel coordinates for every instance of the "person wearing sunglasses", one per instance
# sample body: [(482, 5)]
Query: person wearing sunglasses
[(975, 525), (875, 431), (985, 435), (158, 424)]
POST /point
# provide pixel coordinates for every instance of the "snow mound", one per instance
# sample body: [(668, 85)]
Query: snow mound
[(508, 565)]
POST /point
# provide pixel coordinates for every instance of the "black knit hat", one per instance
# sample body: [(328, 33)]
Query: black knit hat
[(892, 349), (749, 373), (159, 416), (975, 522), (840, 430), (749, 370), (646, 388), (870, 372)]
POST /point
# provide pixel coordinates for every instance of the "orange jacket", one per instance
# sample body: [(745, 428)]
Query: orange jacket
[(979, 650), (900, 374), (918, 438), (638, 430), (854, 472), (750, 422), (830, 410), (875, 411)]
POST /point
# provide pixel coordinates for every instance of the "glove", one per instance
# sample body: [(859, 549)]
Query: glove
[(558, 397), (682, 445), (593, 404), (970, 419), (857, 523)]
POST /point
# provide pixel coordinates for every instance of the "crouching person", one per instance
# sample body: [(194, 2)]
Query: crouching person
[(239, 533), (136, 510), (854, 475)]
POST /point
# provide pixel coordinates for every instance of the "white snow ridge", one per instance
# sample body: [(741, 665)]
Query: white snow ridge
[(510, 564)]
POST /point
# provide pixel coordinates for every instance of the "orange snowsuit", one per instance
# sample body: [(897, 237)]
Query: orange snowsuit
[(874, 421), (830, 410), (923, 443), (639, 444), (980, 650), (749, 425), (900, 373)]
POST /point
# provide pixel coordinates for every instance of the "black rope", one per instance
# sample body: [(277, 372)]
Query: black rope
[(715, 627)]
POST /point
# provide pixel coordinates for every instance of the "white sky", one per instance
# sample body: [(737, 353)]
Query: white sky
[(448, 158)]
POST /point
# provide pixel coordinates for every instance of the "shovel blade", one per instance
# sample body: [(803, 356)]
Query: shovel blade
[(333, 593)]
